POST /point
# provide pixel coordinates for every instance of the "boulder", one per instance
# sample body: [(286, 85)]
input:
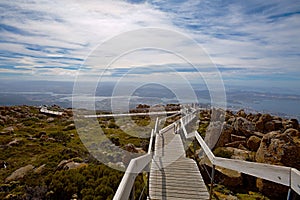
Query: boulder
[(269, 126), (62, 164), (129, 154), (292, 123), (228, 177), (258, 134), (244, 126), (131, 148), (40, 169), (235, 144), (224, 176), (242, 147), (16, 142), (265, 118), (253, 143), (250, 117), (225, 136), (229, 115), (293, 133), (50, 119), (256, 117), (278, 124), (260, 126), (69, 127), (19, 173), (236, 153), (231, 120), (235, 138), (2, 123), (241, 113), (280, 148), (268, 188), (74, 165), (8, 130)]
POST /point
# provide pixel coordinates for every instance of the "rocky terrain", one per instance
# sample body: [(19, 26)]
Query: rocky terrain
[(258, 138), (42, 157)]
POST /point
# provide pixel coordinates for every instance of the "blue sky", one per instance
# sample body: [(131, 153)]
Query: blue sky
[(251, 42)]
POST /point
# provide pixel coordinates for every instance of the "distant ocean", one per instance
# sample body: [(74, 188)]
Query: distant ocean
[(277, 102), (282, 107)]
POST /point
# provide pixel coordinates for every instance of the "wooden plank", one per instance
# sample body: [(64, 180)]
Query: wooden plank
[(179, 187), (178, 197), (295, 180), (179, 192), (172, 175), (182, 180)]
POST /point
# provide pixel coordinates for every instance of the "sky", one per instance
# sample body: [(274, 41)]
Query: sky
[(251, 43)]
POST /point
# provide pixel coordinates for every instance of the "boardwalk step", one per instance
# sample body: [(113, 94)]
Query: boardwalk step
[(172, 175)]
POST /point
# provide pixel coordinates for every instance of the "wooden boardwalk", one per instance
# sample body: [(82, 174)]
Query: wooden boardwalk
[(172, 175)]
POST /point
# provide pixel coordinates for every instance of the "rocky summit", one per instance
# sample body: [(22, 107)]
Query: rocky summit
[(259, 138), (42, 156)]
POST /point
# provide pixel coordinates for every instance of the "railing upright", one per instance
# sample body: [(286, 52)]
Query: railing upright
[(279, 174), (135, 167)]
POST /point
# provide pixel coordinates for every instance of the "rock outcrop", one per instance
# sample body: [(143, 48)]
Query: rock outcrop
[(259, 138), (70, 164), (280, 148), (19, 173), (243, 126), (253, 143)]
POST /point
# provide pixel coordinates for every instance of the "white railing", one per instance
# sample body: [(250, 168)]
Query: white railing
[(279, 174), (184, 121), (131, 114), (135, 166), (45, 110), (163, 119)]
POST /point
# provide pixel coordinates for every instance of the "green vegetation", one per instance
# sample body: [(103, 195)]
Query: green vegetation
[(202, 129), (221, 152), (221, 192), (44, 142), (252, 196)]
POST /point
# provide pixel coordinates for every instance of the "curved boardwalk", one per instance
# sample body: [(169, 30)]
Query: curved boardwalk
[(172, 175)]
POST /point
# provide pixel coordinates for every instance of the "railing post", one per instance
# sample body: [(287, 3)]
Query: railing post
[(132, 193), (194, 146), (289, 194), (212, 181)]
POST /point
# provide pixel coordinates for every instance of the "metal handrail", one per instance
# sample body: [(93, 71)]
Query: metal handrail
[(135, 166), (279, 174), (45, 110)]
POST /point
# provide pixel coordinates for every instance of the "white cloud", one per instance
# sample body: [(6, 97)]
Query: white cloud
[(54, 37)]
